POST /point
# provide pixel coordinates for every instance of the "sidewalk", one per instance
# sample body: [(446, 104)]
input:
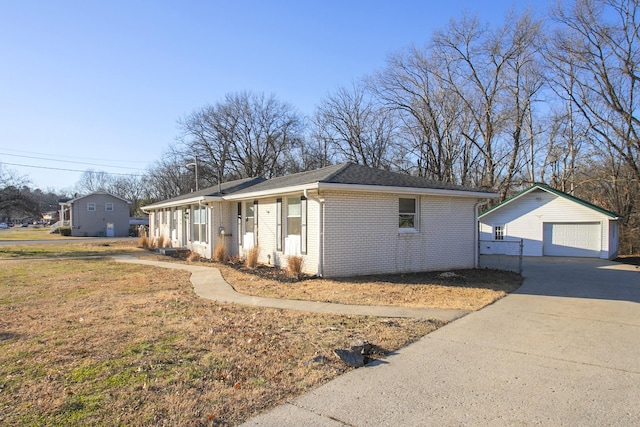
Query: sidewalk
[(208, 283)]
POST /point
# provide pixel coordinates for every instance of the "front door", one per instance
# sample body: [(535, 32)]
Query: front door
[(110, 230)]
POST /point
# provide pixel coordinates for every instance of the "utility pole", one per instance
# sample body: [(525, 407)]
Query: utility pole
[(195, 164)]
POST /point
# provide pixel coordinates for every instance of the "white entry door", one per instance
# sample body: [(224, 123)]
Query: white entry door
[(572, 239)]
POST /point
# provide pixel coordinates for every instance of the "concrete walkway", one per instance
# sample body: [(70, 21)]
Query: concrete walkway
[(563, 350), (208, 283)]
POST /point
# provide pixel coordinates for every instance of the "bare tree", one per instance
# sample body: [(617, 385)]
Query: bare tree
[(356, 129), (599, 42), (430, 116), (91, 181), (167, 178), (243, 136)]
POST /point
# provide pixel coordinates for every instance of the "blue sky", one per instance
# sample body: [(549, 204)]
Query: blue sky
[(101, 84)]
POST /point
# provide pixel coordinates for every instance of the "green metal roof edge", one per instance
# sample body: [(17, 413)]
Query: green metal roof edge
[(545, 187)]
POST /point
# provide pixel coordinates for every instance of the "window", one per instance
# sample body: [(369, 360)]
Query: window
[(199, 223), (91, 207), (294, 217), (407, 214), (297, 223), (108, 207), (248, 219), (498, 232)]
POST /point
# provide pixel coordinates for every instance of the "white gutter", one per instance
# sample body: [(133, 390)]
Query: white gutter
[(183, 202), (281, 191), (476, 235), (320, 231), (407, 190)]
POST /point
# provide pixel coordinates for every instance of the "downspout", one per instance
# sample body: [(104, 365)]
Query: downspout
[(320, 231), (476, 235)]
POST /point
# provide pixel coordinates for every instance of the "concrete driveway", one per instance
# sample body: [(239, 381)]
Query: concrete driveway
[(563, 350)]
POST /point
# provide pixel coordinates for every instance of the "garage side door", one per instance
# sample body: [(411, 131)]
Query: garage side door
[(572, 239)]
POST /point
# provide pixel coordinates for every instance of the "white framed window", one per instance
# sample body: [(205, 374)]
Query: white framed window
[(91, 207), (199, 216), (108, 207), (296, 226), (407, 214), (294, 216), (498, 232)]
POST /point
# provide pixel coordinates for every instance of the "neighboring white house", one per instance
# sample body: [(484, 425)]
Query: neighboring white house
[(552, 223), (98, 214), (344, 220)]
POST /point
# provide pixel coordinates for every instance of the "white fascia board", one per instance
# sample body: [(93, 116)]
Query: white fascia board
[(272, 192), (408, 190), (183, 202)]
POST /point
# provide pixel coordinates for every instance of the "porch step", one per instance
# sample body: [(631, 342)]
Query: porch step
[(171, 251)]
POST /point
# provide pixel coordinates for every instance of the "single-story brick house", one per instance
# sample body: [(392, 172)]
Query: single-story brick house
[(344, 220), (552, 223), (99, 214)]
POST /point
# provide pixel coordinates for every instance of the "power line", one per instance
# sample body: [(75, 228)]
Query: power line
[(70, 161), (67, 170), (71, 157)]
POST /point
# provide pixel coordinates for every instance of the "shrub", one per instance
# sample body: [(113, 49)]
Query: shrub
[(144, 242), (161, 242), (193, 257), (65, 231), (252, 257), (294, 266), (220, 253)]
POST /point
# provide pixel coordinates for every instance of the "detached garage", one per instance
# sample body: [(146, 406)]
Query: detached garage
[(552, 223)]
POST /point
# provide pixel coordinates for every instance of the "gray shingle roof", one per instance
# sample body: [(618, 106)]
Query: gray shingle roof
[(350, 173), (343, 173), (215, 191)]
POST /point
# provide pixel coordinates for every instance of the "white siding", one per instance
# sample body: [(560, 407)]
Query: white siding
[(524, 218)]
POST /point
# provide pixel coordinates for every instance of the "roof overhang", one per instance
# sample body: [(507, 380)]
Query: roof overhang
[(612, 216), (182, 202), (364, 188)]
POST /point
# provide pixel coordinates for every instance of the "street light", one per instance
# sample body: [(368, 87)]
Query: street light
[(196, 167)]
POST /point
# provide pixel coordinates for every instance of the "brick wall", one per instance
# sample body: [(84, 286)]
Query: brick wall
[(362, 235)]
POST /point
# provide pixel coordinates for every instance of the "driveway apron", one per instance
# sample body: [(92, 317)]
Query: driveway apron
[(563, 350)]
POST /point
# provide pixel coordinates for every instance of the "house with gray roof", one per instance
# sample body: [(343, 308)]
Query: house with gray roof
[(550, 222), (99, 214), (343, 220)]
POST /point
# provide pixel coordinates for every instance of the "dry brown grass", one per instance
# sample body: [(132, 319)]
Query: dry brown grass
[(294, 266), (220, 253), (191, 257), (473, 290), (93, 342), (161, 242), (252, 257), (143, 241)]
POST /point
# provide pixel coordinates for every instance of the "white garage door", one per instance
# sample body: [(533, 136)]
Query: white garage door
[(572, 239)]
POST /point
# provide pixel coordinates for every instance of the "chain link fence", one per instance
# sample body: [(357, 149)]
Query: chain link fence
[(501, 254)]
